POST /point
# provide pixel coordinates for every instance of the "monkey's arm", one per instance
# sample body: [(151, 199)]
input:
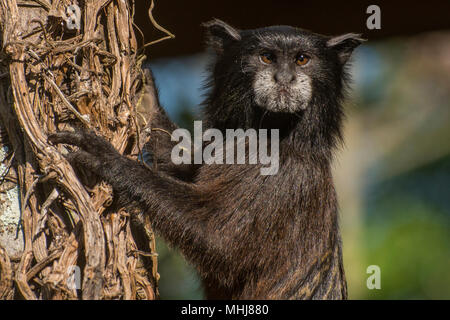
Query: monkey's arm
[(176, 208)]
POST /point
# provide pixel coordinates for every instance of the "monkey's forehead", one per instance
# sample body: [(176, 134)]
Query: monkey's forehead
[(284, 37)]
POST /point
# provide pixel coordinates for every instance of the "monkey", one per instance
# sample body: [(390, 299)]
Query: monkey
[(250, 236)]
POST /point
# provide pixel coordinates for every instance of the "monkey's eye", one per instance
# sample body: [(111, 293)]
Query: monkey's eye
[(302, 59), (267, 57)]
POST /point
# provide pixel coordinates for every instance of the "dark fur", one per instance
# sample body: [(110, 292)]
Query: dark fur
[(250, 236)]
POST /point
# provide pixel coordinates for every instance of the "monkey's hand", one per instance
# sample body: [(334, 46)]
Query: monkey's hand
[(95, 154), (168, 202)]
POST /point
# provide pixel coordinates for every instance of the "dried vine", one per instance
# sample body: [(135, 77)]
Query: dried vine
[(53, 77)]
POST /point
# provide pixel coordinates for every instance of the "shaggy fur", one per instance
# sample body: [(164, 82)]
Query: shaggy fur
[(250, 236)]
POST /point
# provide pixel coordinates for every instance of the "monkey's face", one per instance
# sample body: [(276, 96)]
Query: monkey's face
[(280, 68), (281, 82), (285, 66)]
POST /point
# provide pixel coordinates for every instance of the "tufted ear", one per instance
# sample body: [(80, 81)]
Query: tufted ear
[(345, 44), (219, 34)]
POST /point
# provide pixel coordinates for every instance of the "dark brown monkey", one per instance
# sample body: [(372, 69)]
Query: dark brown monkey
[(251, 236)]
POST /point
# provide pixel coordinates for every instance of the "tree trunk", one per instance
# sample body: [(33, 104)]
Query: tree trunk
[(66, 64)]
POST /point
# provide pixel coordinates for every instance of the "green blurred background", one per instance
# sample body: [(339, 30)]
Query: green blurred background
[(392, 176)]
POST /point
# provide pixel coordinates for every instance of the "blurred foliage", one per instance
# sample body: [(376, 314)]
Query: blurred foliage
[(405, 180), (407, 234), (178, 279), (393, 177)]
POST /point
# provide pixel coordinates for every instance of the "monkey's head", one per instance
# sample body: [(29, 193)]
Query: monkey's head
[(280, 68)]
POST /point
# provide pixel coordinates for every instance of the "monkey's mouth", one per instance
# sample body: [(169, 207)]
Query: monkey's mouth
[(280, 99), (284, 95), (284, 91)]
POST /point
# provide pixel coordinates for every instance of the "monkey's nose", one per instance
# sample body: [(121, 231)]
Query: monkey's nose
[(284, 77)]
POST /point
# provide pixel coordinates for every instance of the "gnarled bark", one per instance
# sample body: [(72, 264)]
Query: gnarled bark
[(57, 75)]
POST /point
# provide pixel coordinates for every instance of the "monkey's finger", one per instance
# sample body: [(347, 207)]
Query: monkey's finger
[(84, 159), (86, 140), (67, 137)]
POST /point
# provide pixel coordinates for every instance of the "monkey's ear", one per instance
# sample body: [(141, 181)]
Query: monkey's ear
[(219, 34), (345, 44)]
